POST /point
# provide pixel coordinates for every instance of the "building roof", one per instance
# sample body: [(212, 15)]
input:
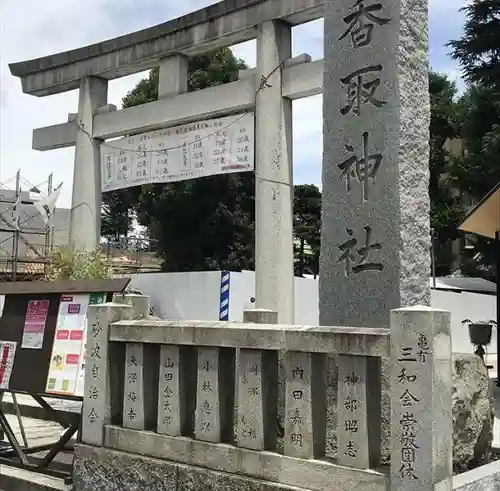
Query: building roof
[(472, 285), (484, 219)]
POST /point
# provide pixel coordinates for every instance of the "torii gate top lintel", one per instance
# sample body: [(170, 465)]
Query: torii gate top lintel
[(220, 25)]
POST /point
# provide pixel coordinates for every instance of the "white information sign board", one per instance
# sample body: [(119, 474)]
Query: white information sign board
[(67, 362), (205, 148)]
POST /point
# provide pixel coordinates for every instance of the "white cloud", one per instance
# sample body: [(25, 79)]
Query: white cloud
[(30, 29)]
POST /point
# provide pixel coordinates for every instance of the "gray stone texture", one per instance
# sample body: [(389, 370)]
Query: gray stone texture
[(139, 303), (353, 341), (315, 474), (305, 405), (222, 24), (421, 394), (484, 478), (473, 414), (12, 479), (488, 483), (140, 395), (85, 220), (358, 426), (109, 470), (257, 399), (177, 390), (274, 278), (395, 202), (104, 372), (214, 414)]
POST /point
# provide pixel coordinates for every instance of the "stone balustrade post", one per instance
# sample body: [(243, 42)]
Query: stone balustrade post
[(257, 390), (140, 395), (215, 395), (104, 375), (359, 411), (305, 405), (421, 400), (139, 303)]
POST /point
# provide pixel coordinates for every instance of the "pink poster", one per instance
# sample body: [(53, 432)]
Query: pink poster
[(34, 324)]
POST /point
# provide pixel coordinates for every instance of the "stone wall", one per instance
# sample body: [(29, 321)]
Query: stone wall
[(485, 478), (109, 470)]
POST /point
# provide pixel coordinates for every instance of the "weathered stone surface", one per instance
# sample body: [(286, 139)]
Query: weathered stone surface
[(484, 478), (304, 405), (194, 479), (375, 234), (257, 399), (109, 470), (472, 412), (331, 410), (12, 479), (421, 395), (104, 377), (99, 469)]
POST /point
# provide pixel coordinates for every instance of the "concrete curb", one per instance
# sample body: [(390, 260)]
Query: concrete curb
[(12, 479)]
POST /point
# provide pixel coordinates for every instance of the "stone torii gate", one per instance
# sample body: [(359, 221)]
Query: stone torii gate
[(168, 47), (376, 112)]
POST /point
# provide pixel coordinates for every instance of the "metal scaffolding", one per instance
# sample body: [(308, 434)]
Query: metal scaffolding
[(30, 242)]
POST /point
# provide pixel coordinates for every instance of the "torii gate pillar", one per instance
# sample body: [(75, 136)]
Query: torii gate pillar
[(85, 222)]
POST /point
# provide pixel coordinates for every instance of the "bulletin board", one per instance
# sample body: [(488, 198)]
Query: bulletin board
[(32, 315)]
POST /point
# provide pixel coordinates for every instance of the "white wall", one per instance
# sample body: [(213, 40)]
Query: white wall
[(465, 305), (306, 298), (196, 296)]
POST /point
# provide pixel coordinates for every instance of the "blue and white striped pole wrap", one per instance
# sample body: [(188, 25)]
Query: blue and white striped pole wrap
[(224, 295)]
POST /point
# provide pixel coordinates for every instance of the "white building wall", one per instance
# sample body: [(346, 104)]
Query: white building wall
[(196, 296)]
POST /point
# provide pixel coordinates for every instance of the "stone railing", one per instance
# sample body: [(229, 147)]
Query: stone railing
[(173, 390)]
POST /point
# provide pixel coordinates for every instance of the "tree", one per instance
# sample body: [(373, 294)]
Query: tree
[(198, 224), (479, 169), (445, 201), (117, 214), (307, 228), (478, 52)]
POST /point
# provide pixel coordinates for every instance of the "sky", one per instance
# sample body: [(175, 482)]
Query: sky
[(31, 29)]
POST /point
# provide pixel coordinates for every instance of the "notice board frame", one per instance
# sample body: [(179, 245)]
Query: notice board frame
[(31, 366)]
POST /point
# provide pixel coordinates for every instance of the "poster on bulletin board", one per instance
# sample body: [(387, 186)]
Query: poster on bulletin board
[(7, 354), (67, 361), (34, 324)]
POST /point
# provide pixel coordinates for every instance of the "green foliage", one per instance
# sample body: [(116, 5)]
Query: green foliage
[(479, 170), (117, 213), (478, 52), (446, 208), (78, 264), (307, 228), (197, 224), (478, 49)]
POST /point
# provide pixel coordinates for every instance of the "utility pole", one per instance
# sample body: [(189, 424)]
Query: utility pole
[(48, 226), (15, 241)]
